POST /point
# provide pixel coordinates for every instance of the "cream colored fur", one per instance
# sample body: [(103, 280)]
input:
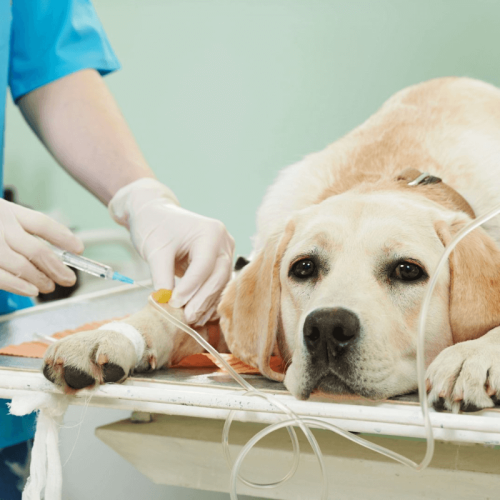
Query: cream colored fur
[(350, 205)]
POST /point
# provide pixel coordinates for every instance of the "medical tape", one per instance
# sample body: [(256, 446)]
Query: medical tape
[(129, 332)]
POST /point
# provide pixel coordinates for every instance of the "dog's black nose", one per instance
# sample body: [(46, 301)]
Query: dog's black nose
[(331, 325)]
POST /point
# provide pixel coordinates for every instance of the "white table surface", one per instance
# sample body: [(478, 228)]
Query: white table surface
[(206, 394)]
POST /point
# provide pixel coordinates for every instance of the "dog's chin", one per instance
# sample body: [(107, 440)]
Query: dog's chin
[(334, 385), (331, 384), (303, 383), (327, 384)]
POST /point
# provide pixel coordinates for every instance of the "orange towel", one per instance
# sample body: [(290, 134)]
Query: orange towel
[(36, 349)]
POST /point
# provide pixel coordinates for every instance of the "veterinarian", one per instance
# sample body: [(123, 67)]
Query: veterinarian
[(53, 56)]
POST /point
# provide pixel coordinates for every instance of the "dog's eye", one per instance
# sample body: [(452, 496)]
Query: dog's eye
[(303, 269), (407, 271)]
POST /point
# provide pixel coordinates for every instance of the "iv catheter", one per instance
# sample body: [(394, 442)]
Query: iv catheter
[(90, 266)]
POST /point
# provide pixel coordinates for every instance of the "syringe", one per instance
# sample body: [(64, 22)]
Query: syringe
[(90, 266)]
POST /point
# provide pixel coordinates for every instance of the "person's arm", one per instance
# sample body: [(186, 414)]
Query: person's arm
[(79, 122)]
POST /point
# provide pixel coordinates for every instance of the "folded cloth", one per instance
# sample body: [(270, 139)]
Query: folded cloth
[(36, 349)]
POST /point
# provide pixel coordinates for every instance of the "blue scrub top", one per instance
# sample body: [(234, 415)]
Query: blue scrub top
[(41, 41)]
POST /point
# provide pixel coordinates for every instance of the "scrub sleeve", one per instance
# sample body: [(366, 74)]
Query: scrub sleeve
[(40, 41)]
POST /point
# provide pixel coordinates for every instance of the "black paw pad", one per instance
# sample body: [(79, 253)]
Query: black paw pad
[(77, 379), (48, 375), (439, 405), (112, 372), (468, 407)]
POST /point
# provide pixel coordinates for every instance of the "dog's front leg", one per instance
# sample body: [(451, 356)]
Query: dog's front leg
[(144, 341), (466, 376)]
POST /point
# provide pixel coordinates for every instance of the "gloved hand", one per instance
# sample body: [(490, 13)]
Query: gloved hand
[(27, 265), (177, 242)]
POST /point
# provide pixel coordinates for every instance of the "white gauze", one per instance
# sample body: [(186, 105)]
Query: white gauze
[(45, 466), (131, 333)]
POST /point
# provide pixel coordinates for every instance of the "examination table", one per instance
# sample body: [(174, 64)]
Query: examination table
[(174, 433)]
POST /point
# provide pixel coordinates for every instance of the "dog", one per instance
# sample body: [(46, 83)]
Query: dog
[(347, 240)]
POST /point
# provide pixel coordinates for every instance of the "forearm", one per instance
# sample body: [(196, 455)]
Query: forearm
[(79, 122)]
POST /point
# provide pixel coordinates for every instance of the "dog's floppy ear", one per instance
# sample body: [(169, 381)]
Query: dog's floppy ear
[(474, 281), (250, 306)]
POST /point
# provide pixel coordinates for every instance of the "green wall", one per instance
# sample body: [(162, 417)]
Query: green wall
[(222, 94)]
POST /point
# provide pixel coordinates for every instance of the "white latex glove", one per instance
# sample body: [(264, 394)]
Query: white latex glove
[(27, 265), (172, 239)]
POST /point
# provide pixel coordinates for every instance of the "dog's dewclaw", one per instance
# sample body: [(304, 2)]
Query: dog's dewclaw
[(162, 296)]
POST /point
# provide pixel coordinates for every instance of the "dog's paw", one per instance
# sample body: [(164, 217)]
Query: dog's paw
[(84, 359), (465, 377)]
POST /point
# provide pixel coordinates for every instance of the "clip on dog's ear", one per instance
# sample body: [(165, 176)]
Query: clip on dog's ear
[(424, 179), (250, 307), (414, 177)]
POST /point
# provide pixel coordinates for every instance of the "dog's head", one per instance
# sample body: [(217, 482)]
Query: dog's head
[(338, 292)]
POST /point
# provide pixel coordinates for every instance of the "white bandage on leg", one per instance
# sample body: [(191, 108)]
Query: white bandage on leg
[(131, 333)]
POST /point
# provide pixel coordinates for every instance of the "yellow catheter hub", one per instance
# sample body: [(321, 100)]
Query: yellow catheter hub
[(162, 296)]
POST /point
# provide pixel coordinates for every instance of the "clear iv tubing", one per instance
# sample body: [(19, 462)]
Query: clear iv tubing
[(294, 420), (304, 422), (250, 390), (422, 393)]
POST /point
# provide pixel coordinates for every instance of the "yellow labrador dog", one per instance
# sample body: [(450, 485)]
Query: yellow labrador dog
[(347, 240)]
